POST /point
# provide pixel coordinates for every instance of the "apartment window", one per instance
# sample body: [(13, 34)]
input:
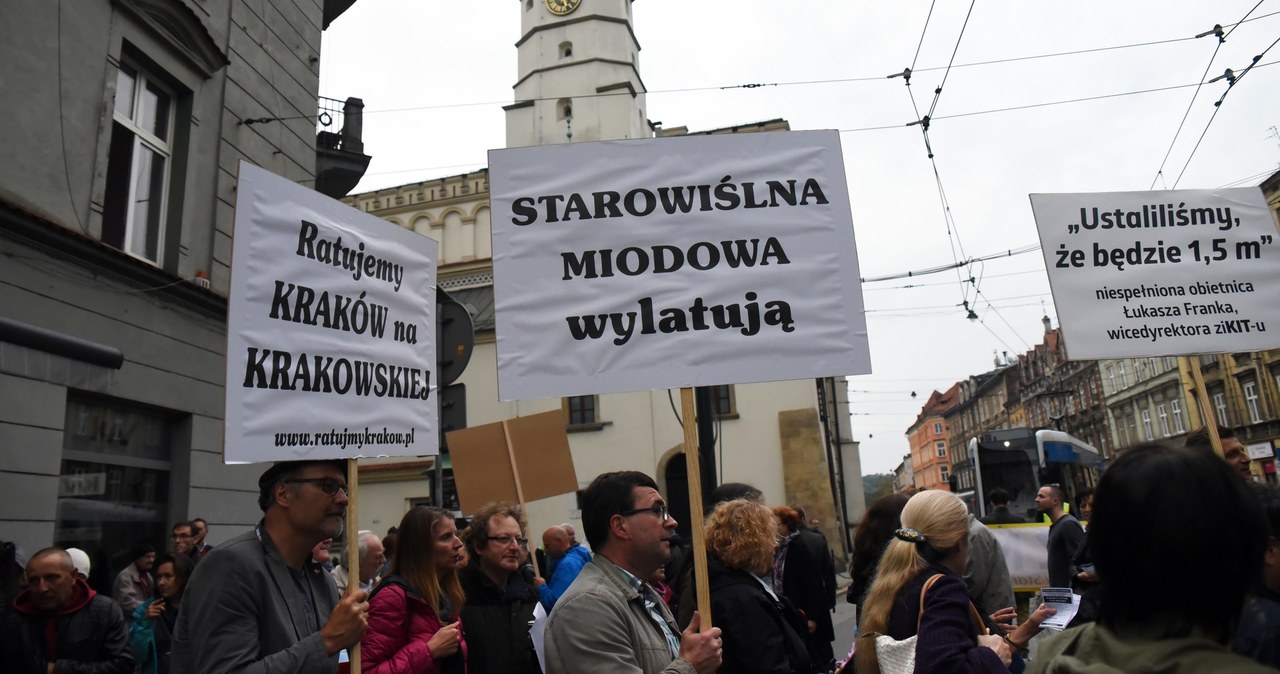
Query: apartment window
[(942, 472), (133, 213), (723, 401), (1220, 408), (1176, 408), (1251, 401), (1124, 383), (937, 428), (1164, 420), (582, 410), (1146, 425), (1111, 379), (1122, 431), (941, 446)]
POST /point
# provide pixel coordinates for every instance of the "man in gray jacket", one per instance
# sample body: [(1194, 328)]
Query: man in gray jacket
[(257, 603), (610, 621)]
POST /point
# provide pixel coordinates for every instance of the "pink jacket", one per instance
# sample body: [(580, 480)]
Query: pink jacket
[(400, 625)]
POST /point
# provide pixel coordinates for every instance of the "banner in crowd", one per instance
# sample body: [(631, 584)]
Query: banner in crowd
[(670, 262), (1162, 273), (1026, 552), (331, 333)]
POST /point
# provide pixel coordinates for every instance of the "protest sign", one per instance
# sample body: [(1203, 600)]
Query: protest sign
[(330, 332), (1025, 553), (1162, 273), (670, 262), (521, 459)]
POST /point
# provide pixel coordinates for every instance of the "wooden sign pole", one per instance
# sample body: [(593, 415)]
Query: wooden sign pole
[(515, 473), (1207, 417), (352, 561), (689, 417)]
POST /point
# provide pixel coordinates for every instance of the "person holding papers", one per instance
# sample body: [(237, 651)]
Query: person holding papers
[(1174, 571)]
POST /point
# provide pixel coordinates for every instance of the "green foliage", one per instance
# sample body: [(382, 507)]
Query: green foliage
[(875, 486)]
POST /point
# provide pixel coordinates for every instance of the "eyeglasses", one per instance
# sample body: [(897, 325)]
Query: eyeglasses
[(505, 541), (659, 509), (328, 485)]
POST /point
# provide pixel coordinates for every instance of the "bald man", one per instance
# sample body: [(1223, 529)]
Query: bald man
[(564, 560), (61, 624)]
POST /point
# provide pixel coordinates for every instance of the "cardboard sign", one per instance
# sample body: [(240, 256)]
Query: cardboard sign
[(1162, 273), (670, 262), (331, 332), (483, 468)]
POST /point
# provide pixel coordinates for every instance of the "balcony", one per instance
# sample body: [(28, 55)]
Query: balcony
[(340, 158)]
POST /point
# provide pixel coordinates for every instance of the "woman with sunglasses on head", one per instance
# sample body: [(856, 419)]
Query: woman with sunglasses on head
[(154, 621), (413, 613)]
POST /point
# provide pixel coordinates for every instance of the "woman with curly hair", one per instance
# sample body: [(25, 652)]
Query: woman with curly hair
[(413, 612), (759, 626), (919, 590)]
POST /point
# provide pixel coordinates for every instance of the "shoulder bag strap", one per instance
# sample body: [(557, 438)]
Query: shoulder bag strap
[(927, 584)]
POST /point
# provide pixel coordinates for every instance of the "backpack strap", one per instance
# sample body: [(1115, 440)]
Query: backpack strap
[(924, 590)]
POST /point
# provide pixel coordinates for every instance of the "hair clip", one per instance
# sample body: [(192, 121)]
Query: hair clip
[(909, 535)]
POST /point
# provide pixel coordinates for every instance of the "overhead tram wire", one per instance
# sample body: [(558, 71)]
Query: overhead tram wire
[(947, 267), (840, 80), (1246, 18), (1232, 80), (1216, 30)]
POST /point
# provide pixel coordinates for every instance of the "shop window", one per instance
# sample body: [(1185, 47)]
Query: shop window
[(113, 487)]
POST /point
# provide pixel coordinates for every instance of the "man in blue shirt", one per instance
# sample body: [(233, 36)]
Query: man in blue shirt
[(564, 561)]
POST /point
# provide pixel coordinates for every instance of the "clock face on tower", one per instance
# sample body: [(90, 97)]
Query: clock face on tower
[(562, 7)]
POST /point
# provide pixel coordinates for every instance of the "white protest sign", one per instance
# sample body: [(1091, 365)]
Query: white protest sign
[(685, 261), (331, 333), (1162, 273), (1025, 553)]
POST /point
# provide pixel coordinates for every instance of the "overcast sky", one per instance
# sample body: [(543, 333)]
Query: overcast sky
[(434, 76)]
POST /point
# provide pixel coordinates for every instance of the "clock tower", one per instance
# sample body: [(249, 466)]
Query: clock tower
[(578, 74)]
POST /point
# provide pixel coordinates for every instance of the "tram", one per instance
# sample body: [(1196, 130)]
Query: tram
[(1021, 460)]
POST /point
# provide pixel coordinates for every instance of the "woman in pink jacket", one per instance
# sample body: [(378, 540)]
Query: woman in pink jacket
[(413, 613)]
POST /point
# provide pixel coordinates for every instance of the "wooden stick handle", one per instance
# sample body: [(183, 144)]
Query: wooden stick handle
[(703, 584), (352, 561)]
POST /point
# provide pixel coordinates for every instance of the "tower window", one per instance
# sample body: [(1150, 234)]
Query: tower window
[(564, 109), (566, 50)]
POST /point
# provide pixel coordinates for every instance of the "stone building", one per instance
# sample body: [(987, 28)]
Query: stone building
[(115, 235)]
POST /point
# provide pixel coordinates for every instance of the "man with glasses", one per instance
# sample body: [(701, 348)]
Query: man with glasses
[(564, 561), (1066, 536), (610, 620), (258, 603), (182, 540), (500, 602)]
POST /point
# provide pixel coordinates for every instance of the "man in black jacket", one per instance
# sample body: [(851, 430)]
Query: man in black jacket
[(500, 601), (61, 624)]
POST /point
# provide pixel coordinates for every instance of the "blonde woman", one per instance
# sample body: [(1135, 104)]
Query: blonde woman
[(933, 541), (759, 627)]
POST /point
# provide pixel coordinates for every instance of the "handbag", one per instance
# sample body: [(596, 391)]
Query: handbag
[(898, 656)]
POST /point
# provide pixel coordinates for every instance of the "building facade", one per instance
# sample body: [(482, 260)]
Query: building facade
[(115, 230), (930, 452), (578, 79)]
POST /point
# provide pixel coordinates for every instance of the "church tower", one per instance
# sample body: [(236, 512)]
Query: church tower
[(578, 74)]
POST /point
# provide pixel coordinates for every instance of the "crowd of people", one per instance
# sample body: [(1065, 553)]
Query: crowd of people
[(1172, 583)]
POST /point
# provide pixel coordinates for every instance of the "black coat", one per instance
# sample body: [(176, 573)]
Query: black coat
[(760, 634), (497, 624), (93, 638), (804, 583)]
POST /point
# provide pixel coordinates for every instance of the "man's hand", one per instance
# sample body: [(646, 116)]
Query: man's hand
[(155, 608), (348, 622), (444, 642), (704, 650), (538, 581)]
